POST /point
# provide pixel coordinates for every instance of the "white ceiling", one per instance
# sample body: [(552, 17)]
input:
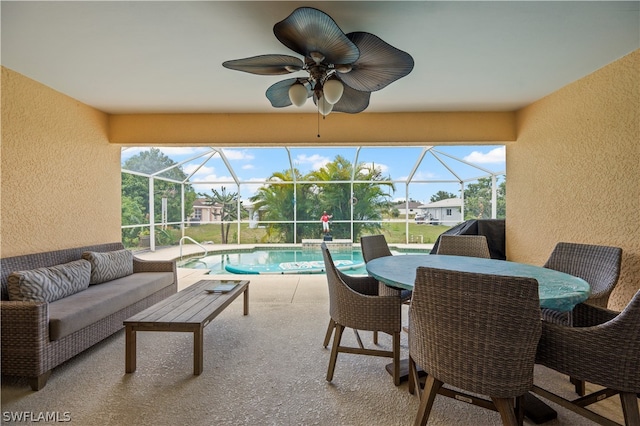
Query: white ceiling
[(137, 57)]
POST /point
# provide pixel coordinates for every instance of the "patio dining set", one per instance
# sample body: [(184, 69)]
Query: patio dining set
[(477, 326)]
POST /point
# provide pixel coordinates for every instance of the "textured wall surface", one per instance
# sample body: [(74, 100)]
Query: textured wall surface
[(408, 128), (60, 176), (574, 171)]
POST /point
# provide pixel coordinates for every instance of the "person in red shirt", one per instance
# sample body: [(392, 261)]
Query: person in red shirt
[(325, 221)]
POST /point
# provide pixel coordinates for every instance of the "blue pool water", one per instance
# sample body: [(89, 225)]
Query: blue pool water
[(270, 261)]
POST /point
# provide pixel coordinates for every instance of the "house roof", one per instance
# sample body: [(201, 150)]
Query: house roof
[(412, 205), (449, 202)]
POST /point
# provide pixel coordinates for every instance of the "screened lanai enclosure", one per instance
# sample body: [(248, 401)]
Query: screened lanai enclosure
[(278, 195)]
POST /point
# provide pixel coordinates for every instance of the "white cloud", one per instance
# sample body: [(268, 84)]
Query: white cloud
[(248, 167), (237, 154), (202, 171), (316, 161), (495, 156), (420, 175)]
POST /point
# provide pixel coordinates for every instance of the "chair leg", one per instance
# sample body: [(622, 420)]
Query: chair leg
[(358, 338), (396, 358), (506, 410), (334, 351), (375, 337), (327, 336), (414, 380), (431, 388), (630, 408), (520, 410)]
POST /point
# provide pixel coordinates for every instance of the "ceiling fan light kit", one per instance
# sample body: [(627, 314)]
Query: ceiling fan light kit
[(343, 69)]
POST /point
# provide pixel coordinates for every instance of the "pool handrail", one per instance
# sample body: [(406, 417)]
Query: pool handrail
[(196, 243)]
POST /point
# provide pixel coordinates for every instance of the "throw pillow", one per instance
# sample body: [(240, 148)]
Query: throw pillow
[(49, 284), (107, 266)]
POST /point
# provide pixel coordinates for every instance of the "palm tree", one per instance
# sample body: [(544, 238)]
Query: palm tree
[(368, 200), (279, 199)]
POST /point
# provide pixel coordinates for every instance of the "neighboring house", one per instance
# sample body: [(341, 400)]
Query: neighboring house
[(254, 214), (204, 213), (402, 208), (446, 212)]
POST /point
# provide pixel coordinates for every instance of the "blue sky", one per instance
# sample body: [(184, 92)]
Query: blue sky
[(257, 164)]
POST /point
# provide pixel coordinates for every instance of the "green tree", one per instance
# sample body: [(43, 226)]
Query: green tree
[(276, 202), (477, 200), (132, 214), (135, 188), (368, 200), (441, 195), (228, 201)]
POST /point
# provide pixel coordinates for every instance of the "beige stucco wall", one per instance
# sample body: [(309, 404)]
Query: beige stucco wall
[(574, 172), (60, 180)]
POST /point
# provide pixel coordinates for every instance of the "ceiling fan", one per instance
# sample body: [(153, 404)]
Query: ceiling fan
[(343, 69)]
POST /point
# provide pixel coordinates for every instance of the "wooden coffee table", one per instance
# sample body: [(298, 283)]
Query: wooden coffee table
[(189, 310)]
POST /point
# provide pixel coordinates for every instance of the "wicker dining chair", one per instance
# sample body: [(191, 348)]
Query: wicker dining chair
[(349, 307), (367, 286), (597, 265), (373, 247), (605, 351), (464, 245), (476, 333)]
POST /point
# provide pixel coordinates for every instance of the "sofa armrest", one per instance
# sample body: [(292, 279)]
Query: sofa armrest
[(140, 265), (25, 334)]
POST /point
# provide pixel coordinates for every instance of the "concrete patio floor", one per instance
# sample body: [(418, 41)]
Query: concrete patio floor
[(311, 290), (267, 368)]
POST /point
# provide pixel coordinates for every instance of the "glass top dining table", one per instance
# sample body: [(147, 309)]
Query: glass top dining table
[(557, 290)]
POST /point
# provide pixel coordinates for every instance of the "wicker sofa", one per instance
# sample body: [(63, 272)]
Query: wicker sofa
[(40, 335)]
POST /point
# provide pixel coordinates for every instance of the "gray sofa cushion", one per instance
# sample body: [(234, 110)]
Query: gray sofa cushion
[(110, 265), (49, 284), (82, 309)]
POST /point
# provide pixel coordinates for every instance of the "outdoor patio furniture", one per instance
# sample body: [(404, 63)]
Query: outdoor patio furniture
[(364, 285), (597, 265), (350, 307), (464, 245), (603, 350), (477, 333), (373, 247)]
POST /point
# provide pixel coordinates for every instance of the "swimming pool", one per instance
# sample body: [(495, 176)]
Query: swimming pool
[(278, 261)]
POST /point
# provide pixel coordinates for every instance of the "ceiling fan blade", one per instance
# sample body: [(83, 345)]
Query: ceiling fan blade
[(352, 101), (309, 30), (379, 64), (278, 93), (266, 64)]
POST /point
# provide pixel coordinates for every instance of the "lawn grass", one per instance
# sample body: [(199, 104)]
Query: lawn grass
[(395, 232)]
